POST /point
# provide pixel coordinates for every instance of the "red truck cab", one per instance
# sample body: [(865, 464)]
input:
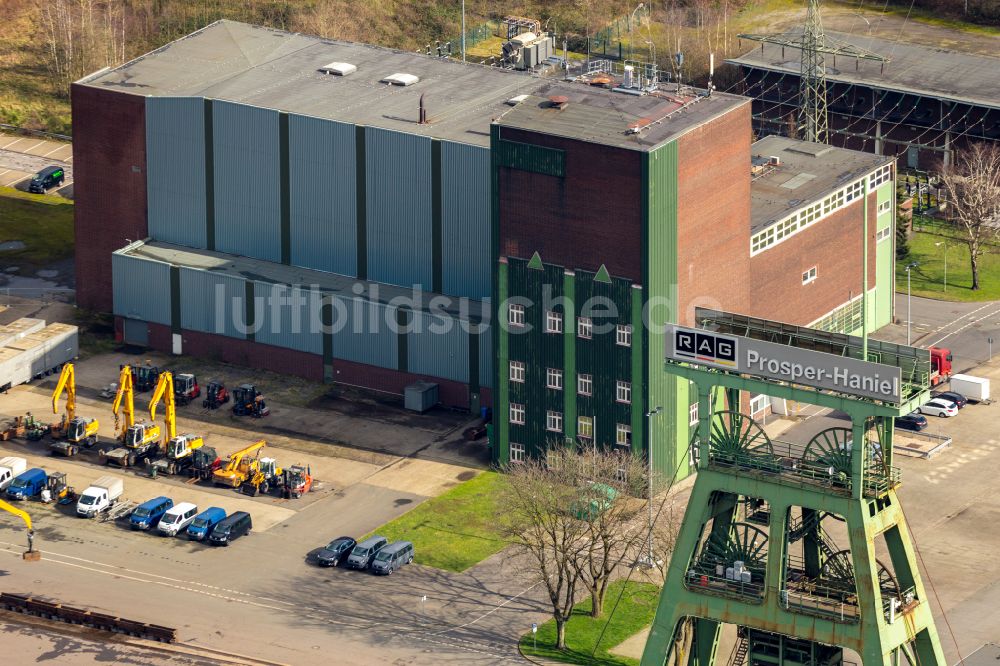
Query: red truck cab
[(940, 365)]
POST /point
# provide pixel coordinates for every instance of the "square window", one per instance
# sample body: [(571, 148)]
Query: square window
[(517, 371), (693, 414), (623, 392), (623, 435), (809, 275), (584, 327), (554, 378), (516, 413), (623, 335), (553, 322), (758, 404), (585, 427), (554, 421), (516, 452), (585, 384), (515, 315)]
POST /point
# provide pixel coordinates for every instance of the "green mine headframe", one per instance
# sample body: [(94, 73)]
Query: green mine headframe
[(756, 548)]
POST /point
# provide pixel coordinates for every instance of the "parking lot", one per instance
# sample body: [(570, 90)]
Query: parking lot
[(23, 156)]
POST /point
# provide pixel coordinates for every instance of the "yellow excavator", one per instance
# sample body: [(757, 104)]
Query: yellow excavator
[(31, 554), (240, 467), (140, 440), (179, 448), (77, 430)]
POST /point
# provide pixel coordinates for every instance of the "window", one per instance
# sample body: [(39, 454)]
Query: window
[(585, 427), (516, 452), (554, 378), (883, 234), (809, 275), (515, 315), (584, 327), (517, 371), (585, 384), (758, 403), (553, 421), (693, 414), (516, 413), (623, 392), (885, 207), (880, 176), (621, 472), (854, 191), (623, 435), (553, 322), (623, 335)]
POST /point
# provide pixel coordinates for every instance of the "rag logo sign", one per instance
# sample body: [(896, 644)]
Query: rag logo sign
[(705, 347)]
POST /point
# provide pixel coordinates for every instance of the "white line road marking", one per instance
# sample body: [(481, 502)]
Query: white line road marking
[(7, 147), (5, 171), (56, 149), (27, 151), (489, 612), (974, 321), (956, 321)]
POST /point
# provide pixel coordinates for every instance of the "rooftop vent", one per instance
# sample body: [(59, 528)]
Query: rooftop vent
[(401, 79), (517, 99), (558, 101), (339, 68)]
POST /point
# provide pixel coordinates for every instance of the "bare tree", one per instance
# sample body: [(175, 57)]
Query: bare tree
[(972, 187)]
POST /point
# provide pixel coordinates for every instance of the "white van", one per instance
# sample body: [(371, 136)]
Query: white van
[(177, 519), (9, 468)]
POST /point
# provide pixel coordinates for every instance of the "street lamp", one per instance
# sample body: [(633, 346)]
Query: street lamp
[(908, 318), (945, 243), (631, 22), (649, 559)]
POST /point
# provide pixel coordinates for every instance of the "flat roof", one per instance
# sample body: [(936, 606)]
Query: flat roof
[(328, 283), (267, 68), (920, 70), (807, 172)]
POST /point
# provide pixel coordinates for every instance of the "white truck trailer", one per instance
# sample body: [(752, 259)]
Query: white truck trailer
[(975, 389), (100, 496), (37, 354)]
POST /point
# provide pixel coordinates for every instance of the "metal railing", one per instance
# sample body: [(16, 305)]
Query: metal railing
[(33, 132), (701, 580), (809, 602)]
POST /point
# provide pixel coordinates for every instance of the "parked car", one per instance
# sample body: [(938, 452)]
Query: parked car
[(957, 398), (336, 551), (362, 554), (231, 528), (47, 178), (938, 407), (392, 557), (27, 484), (148, 514), (203, 524), (177, 519), (912, 421)]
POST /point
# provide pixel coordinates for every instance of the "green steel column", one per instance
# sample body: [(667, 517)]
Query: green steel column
[(639, 386), (501, 403), (569, 356), (864, 272), (704, 423), (858, 445), (706, 640), (810, 543)]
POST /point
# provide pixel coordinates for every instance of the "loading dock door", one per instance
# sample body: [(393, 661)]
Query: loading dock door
[(136, 333)]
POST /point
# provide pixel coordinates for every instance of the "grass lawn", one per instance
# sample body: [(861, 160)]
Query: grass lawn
[(452, 531), (927, 279), (43, 223), (635, 611)]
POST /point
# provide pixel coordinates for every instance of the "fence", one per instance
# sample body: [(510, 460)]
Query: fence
[(14, 129)]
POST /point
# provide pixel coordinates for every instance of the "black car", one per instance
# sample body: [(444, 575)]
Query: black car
[(957, 398), (911, 422), (47, 178), (335, 551)]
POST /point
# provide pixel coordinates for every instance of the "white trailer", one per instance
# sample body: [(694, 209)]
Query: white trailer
[(975, 389), (37, 354), (10, 467), (16, 330)]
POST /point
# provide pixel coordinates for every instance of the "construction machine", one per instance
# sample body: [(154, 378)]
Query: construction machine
[(264, 475), (31, 554), (56, 489), (204, 462), (140, 440), (77, 430), (179, 448), (186, 388), (215, 395), (144, 377), (295, 481), (248, 401), (242, 465), (34, 429)]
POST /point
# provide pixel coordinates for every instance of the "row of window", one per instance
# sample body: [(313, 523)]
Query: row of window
[(885, 207), (801, 219), (554, 324), (584, 382)]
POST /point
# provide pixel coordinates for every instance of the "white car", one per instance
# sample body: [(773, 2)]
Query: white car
[(939, 407)]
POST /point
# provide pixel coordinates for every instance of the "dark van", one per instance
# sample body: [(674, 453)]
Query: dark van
[(231, 528), (362, 554), (392, 557), (46, 179)]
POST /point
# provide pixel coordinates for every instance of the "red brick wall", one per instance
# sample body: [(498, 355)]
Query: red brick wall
[(590, 217), (834, 246), (109, 169), (713, 215)]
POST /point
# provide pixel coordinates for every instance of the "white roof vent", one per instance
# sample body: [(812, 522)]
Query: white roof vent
[(401, 79), (339, 68), (517, 99)]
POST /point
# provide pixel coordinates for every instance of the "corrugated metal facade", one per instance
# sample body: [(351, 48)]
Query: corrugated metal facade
[(465, 220), (213, 303), (438, 346), (289, 317), (486, 355), (247, 180), (141, 289), (399, 208), (364, 332), (323, 190), (175, 169)]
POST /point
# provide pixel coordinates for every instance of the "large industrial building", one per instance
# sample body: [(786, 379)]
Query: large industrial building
[(919, 107), (371, 217)]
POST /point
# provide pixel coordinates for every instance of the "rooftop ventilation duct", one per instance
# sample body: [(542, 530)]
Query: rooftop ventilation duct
[(401, 79), (339, 68), (517, 99)]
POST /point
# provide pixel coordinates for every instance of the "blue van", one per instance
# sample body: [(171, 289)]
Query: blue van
[(27, 484), (203, 524), (148, 514)]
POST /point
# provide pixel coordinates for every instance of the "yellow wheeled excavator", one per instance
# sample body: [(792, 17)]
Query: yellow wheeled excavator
[(31, 554), (140, 440), (77, 430), (179, 448), (241, 466)]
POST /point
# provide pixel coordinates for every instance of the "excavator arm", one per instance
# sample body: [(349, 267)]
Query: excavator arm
[(124, 395), (165, 391), (32, 554), (67, 382), (237, 457)]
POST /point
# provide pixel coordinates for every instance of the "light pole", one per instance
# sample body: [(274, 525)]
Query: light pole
[(631, 21), (463, 30), (945, 243), (649, 559), (908, 318)]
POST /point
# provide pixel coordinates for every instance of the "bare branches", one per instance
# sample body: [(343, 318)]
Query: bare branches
[(972, 187)]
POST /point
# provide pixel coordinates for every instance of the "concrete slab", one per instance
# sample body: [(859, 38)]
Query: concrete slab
[(421, 477)]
